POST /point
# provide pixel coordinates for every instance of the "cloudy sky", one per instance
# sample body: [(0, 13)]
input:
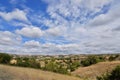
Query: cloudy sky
[(59, 26)]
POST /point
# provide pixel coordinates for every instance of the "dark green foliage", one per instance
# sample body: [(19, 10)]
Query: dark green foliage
[(26, 62), (23, 64), (25, 59), (91, 60), (5, 58), (73, 66), (113, 75), (85, 63), (62, 70)]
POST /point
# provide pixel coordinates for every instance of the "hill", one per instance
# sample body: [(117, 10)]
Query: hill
[(18, 73), (95, 70)]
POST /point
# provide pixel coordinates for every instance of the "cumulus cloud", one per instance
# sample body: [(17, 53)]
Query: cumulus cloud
[(72, 20), (8, 38), (73, 27), (31, 32), (97, 32), (51, 48), (32, 44), (56, 31), (105, 19), (16, 14)]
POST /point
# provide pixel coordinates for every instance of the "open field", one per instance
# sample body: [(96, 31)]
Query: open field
[(95, 70), (17, 73)]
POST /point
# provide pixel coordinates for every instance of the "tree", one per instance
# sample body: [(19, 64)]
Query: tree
[(26, 62), (90, 60), (5, 58)]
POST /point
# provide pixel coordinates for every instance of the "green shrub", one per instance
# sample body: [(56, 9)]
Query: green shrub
[(51, 67), (74, 65), (62, 70), (58, 68), (25, 62), (91, 60)]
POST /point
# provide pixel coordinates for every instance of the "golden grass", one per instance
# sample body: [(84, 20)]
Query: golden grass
[(18, 73), (95, 70)]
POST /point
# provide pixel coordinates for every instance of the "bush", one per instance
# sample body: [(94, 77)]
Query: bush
[(91, 60), (113, 75), (26, 62), (73, 66), (23, 64), (5, 58), (62, 70), (51, 66)]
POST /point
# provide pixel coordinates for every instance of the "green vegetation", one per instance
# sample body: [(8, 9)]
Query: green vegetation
[(59, 64), (91, 60), (27, 62), (51, 66), (74, 66), (113, 75), (5, 58)]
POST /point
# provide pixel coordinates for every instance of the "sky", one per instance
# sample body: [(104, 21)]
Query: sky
[(59, 26)]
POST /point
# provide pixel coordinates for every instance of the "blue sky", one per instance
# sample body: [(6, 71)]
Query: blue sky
[(59, 26)]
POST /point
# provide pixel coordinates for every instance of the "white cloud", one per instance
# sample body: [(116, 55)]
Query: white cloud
[(8, 38), (51, 48), (72, 21), (105, 19), (31, 31), (32, 44), (14, 15), (97, 34), (75, 10), (56, 31), (95, 5)]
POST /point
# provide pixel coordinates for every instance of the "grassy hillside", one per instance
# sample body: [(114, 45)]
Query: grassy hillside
[(95, 70), (17, 73)]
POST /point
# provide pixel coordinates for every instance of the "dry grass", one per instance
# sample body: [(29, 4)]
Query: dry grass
[(95, 70), (17, 73)]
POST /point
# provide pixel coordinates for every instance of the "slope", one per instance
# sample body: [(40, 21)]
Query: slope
[(91, 72), (18, 73)]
